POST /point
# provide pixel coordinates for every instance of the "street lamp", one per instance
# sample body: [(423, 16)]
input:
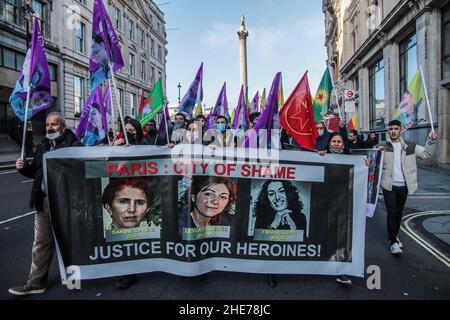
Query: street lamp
[(179, 92)]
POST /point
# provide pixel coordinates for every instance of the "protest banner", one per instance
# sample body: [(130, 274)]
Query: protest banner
[(376, 158), (118, 211)]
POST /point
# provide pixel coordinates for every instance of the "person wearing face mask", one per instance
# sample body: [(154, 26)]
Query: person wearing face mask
[(152, 133), (177, 132), (57, 137), (134, 133), (323, 141), (224, 138)]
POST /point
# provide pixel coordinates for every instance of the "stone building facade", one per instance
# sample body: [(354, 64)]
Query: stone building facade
[(67, 28), (377, 46)]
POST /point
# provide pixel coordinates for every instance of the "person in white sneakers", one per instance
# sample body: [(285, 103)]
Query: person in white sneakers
[(399, 177)]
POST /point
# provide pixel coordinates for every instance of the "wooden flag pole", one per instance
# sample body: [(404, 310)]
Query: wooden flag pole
[(428, 100), (118, 104)]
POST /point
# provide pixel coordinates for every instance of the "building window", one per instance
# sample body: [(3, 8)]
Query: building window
[(79, 41), (158, 27), (446, 42), (132, 65), (132, 104), (118, 18), (152, 48), (53, 72), (120, 91), (79, 94), (377, 96), (143, 73), (159, 54), (9, 11), (153, 76), (11, 59), (408, 62), (39, 9), (131, 29), (142, 39)]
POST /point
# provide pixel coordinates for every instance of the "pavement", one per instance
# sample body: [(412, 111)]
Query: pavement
[(422, 273)]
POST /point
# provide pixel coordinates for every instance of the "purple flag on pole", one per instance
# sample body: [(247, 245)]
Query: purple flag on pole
[(254, 105), (220, 110), (104, 49), (241, 121), (93, 128), (37, 66), (269, 118), (108, 104), (165, 123), (193, 96)]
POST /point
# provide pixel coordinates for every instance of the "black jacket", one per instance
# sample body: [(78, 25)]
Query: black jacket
[(35, 169), (323, 142)]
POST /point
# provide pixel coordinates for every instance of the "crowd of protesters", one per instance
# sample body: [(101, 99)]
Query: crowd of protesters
[(399, 172)]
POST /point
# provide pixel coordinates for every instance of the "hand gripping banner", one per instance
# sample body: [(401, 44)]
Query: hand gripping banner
[(118, 211)]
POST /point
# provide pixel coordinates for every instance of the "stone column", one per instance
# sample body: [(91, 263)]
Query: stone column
[(391, 56), (364, 100), (243, 34)]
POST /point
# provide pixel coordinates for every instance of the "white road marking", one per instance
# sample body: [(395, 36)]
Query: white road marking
[(432, 250), (27, 181), (8, 172), (19, 217)]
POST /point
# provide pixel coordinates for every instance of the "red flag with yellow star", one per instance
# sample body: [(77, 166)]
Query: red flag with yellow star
[(297, 116)]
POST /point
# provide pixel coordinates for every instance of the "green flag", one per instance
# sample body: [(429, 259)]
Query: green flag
[(154, 104), (323, 95)]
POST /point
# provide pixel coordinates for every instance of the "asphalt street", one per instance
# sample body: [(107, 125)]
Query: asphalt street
[(416, 275)]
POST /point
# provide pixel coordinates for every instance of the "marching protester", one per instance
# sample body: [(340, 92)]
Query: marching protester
[(152, 133), (176, 133), (353, 141), (58, 137), (254, 119), (134, 133), (337, 147), (372, 141), (323, 141), (399, 177)]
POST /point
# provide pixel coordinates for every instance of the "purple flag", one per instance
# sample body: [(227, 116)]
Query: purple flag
[(220, 110), (37, 66), (193, 96), (254, 105), (93, 128), (104, 49), (165, 123), (241, 121), (269, 118), (108, 104)]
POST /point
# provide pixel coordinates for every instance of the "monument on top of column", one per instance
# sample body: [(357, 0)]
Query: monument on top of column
[(243, 34)]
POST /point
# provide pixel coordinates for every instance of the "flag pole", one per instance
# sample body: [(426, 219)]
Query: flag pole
[(428, 100), (335, 91), (165, 123), (118, 103), (112, 108), (27, 104)]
